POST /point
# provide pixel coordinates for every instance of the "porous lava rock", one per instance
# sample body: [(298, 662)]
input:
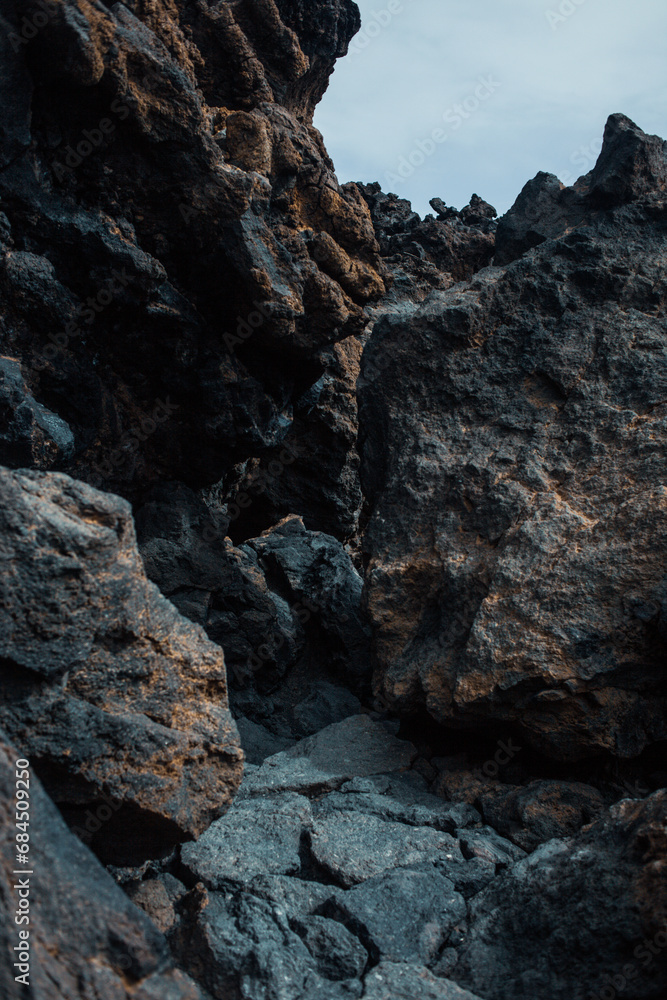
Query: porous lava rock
[(176, 252), (118, 701), (577, 917), (512, 434), (85, 938)]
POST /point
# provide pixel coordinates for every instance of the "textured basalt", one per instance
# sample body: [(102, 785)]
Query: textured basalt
[(118, 701), (512, 434), (174, 239), (408, 473)]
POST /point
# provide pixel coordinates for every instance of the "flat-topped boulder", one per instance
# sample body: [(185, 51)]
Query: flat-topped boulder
[(356, 747)]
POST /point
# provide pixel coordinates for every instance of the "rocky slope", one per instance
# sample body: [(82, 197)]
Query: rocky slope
[(408, 474)]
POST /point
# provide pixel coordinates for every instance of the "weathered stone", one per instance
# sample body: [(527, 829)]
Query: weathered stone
[(319, 576), (120, 703), (356, 746), (298, 897), (151, 896), (470, 878), (488, 845), (258, 742), (161, 160), (405, 916), (325, 705), (353, 847), (512, 457), (543, 810), (242, 948), (577, 916), (414, 810), (86, 939), (422, 255), (187, 553), (337, 952), (257, 836), (31, 435)]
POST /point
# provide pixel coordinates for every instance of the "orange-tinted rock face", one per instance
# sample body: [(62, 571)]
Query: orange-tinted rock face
[(118, 701), (513, 432), (189, 242)]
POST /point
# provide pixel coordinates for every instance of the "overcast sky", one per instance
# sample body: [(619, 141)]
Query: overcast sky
[(506, 87)]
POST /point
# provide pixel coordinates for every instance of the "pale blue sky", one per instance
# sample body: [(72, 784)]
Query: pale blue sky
[(554, 71)]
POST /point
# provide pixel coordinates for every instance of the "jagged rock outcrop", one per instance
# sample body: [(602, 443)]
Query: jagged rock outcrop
[(83, 937), (195, 314), (177, 256), (513, 455), (118, 701), (431, 253)]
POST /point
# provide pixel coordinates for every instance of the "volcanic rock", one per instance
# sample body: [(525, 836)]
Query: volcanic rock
[(431, 253), (393, 981), (405, 916), (353, 847), (31, 435), (176, 251), (577, 915), (85, 937), (543, 810), (242, 948), (355, 747), (118, 701), (512, 436), (258, 836)]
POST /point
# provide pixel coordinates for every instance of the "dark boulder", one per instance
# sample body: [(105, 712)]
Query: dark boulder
[(84, 936), (119, 702), (577, 917)]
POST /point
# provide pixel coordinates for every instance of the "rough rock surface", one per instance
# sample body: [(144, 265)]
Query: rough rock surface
[(257, 837), (358, 746), (513, 455), (30, 435), (386, 902), (177, 255), (405, 916), (118, 701), (272, 904), (577, 915), (195, 314), (86, 939), (286, 607), (543, 810), (431, 253), (391, 981)]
